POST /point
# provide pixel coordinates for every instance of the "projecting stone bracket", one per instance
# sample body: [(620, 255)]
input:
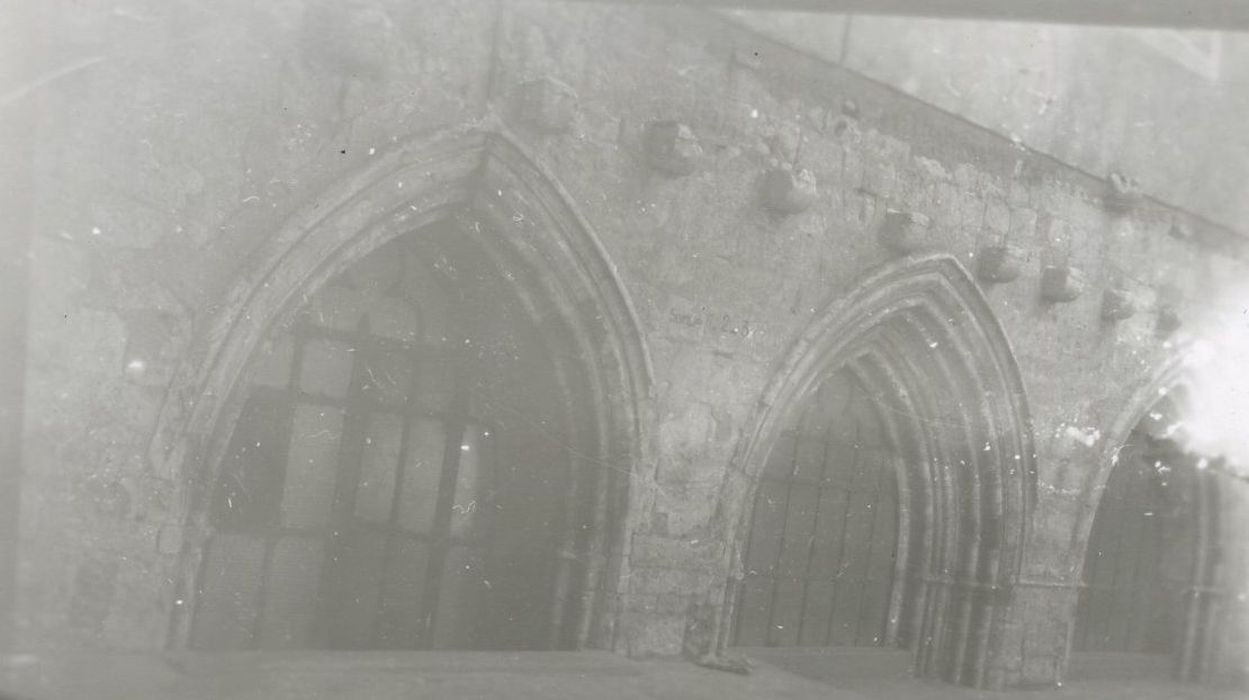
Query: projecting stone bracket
[(671, 148), (1117, 305), (850, 108), (904, 232), (1061, 284), (1168, 320), (1181, 230), (1123, 193), (999, 264), (787, 192)]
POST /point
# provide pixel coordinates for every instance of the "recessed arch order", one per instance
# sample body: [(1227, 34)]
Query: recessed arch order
[(1139, 446), (495, 193), (919, 335)]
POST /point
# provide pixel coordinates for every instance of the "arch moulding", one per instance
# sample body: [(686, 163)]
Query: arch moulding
[(1199, 656), (920, 330), (460, 174), (1168, 375)]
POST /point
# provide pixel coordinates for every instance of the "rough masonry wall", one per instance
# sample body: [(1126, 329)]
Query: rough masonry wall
[(1162, 106), (722, 285), (160, 169), (190, 133)]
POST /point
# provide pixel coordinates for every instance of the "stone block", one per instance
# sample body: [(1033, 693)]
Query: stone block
[(850, 108), (1117, 305), (904, 232), (1123, 193), (787, 192), (671, 148), (1061, 284), (653, 551), (665, 581), (1168, 320), (1180, 229), (1039, 672), (1002, 263), (672, 603), (644, 634)]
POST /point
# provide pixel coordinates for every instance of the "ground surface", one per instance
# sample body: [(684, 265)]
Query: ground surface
[(820, 674), (885, 675)]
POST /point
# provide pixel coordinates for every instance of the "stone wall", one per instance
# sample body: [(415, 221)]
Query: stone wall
[(164, 165), (1159, 105)]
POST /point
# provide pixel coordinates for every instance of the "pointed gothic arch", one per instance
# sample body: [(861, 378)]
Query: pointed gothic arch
[(499, 199), (920, 336), (1180, 511)]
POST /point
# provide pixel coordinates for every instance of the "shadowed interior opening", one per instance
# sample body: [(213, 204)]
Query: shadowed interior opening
[(820, 560), (1151, 572), (403, 471)]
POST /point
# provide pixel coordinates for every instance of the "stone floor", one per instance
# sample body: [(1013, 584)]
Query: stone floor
[(792, 675), (874, 673)]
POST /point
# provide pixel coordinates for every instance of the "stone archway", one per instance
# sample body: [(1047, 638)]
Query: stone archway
[(1182, 513), (920, 335), (499, 198)]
